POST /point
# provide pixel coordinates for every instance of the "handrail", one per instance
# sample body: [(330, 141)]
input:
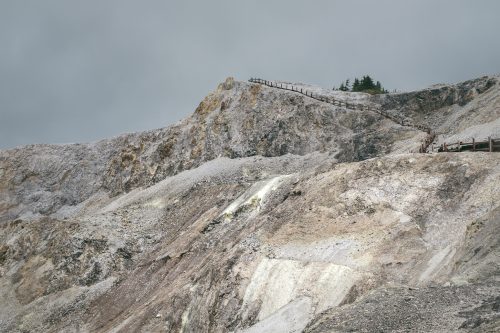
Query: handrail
[(424, 147), (489, 145)]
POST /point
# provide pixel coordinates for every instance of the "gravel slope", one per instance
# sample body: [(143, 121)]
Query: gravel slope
[(265, 211)]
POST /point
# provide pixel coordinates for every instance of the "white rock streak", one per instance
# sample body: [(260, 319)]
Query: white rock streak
[(255, 196), (278, 282)]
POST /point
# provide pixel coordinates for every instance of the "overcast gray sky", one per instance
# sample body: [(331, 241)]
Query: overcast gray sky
[(78, 71)]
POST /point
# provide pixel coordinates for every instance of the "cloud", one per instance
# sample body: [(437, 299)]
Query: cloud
[(82, 70)]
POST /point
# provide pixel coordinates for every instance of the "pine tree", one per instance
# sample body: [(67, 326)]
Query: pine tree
[(355, 85), (366, 84)]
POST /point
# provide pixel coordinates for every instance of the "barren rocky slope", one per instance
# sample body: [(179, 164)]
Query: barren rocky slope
[(264, 211)]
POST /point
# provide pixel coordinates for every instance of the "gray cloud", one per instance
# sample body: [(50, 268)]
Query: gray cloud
[(83, 70)]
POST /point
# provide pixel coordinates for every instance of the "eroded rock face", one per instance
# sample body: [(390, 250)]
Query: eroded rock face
[(265, 211), (237, 120)]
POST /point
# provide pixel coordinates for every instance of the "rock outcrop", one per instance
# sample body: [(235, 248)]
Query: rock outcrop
[(264, 211)]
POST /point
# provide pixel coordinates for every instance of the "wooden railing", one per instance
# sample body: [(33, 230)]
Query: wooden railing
[(423, 148), (490, 145)]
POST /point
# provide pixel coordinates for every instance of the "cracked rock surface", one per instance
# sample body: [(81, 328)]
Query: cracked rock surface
[(264, 211)]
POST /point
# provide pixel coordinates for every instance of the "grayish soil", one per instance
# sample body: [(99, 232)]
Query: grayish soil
[(264, 211)]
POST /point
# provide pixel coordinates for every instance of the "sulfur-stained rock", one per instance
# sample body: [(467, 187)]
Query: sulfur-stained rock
[(264, 211)]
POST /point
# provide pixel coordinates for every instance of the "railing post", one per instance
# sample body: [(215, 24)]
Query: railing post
[(473, 144), (490, 143)]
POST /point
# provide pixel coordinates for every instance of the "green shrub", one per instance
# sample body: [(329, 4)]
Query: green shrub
[(366, 84)]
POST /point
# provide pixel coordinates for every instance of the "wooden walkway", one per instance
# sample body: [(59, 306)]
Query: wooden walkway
[(423, 148), (490, 145)]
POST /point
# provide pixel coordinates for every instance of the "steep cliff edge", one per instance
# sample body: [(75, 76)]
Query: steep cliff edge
[(264, 211)]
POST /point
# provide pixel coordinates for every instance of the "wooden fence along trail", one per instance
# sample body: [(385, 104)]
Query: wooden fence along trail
[(423, 148), (490, 145)]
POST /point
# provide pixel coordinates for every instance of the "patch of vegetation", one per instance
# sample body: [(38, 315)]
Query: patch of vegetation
[(366, 84)]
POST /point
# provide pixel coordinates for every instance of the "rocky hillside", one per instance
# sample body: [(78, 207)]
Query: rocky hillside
[(264, 211)]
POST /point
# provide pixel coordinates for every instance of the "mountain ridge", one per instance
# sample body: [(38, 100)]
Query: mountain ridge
[(265, 210)]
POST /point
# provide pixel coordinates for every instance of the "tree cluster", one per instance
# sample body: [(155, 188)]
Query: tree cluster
[(366, 84)]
